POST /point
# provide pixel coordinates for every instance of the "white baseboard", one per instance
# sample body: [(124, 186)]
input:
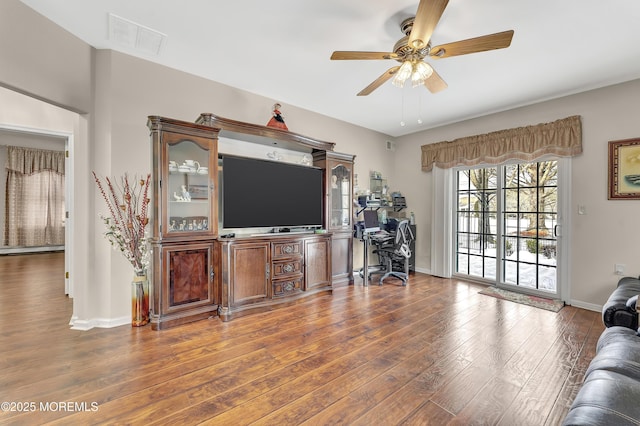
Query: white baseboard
[(84, 325), (112, 322), (585, 305)]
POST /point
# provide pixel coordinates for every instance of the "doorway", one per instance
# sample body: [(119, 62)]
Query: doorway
[(47, 140)]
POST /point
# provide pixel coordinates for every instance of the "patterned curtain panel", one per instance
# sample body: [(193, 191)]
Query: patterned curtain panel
[(34, 198), (562, 138)]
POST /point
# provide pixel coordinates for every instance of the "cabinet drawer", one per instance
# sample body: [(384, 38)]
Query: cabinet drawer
[(282, 288), (287, 249), (287, 267)]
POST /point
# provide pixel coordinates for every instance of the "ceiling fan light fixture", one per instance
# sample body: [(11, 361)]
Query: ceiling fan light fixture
[(421, 72), (403, 74), (417, 70)]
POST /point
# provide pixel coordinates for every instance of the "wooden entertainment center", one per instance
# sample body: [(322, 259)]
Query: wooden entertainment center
[(196, 272)]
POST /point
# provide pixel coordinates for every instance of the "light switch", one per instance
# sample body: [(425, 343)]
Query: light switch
[(582, 209)]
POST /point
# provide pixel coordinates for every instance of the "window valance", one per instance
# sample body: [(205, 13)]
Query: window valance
[(29, 160), (562, 138)]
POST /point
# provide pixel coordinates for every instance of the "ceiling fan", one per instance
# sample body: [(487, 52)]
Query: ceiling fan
[(411, 50)]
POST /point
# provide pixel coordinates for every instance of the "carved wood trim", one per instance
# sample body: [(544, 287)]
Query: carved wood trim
[(243, 131)]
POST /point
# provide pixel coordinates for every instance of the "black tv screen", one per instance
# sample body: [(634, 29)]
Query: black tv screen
[(259, 193)]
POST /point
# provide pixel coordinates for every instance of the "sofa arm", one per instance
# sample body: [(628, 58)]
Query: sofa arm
[(619, 314), (616, 311)]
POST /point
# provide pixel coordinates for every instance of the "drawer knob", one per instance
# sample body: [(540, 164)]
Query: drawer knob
[(288, 249), (288, 267)]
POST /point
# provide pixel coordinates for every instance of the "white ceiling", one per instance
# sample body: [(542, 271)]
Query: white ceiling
[(281, 48)]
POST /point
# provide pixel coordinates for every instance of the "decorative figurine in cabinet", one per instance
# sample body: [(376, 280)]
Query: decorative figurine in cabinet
[(185, 221), (339, 211)]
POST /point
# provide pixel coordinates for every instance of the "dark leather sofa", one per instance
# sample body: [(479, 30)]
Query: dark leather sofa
[(610, 394)]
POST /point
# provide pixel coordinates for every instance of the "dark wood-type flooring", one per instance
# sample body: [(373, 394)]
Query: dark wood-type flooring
[(434, 352)]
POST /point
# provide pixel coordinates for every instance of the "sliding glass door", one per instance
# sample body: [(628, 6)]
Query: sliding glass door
[(477, 223), (506, 225)]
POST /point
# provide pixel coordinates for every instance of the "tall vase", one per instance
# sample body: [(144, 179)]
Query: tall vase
[(139, 301)]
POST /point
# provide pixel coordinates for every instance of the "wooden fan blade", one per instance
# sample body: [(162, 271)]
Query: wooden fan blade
[(427, 17), (435, 83), (379, 81), (342, 55), (473, 45)]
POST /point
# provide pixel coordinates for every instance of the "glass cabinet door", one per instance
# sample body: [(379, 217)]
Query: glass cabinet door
[(340, 187), (188, 191)]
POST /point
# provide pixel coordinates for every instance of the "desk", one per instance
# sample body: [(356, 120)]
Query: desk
[(367, 239)]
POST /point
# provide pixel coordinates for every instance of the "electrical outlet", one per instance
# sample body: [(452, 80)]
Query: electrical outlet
[(619, 269)]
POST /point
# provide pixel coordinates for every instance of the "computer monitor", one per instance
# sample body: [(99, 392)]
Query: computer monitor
[(371, 223)]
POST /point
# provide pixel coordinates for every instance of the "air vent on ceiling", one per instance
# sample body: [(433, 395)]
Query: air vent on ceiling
[(135, 36)]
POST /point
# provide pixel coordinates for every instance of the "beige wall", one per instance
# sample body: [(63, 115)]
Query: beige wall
[(606, 234), (36, 53)]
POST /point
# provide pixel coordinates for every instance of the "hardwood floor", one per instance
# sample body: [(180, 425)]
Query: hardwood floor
[(434, 352)]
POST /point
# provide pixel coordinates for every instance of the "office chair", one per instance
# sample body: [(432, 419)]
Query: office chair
[(395, 257)]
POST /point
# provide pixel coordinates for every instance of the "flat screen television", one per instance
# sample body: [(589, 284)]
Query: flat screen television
[(259, 193)]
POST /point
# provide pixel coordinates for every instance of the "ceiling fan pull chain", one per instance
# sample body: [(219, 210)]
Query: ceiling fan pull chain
[(402, 110)]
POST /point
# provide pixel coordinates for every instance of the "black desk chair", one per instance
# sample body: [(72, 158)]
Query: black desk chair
[(395, 257)]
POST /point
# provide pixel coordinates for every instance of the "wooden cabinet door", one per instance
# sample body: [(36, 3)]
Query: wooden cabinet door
[(188, 279), (342, 257), (249, 274), (317, 263)]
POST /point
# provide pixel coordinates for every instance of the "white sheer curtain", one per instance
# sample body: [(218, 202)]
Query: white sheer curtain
[(442, 222), (34, 198)]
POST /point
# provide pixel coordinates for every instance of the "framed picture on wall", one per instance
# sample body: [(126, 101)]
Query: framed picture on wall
[(624, 169)]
